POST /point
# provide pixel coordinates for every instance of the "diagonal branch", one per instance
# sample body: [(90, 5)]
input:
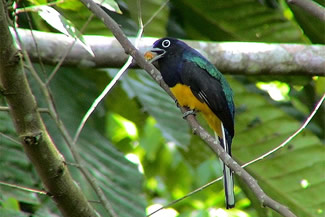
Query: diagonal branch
[(38, 145), (303, 126), (210, 141)]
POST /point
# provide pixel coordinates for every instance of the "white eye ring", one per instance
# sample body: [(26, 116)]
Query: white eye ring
[(165, 43)]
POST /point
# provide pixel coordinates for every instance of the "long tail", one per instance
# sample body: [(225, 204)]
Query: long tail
[(228, 180)]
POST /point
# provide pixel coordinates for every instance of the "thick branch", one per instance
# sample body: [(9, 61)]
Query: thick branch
[(229, 57), (212, 143), (38, 145), (310, 7)]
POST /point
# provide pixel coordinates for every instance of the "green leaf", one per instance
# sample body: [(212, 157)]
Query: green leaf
[(74, 5), (158, 104), (110, 5), (236, 21), (73, 92), (261, 127), (151, 140), (38, 2), (12, 213), (312, 26), (10, 203), (157, 26), (122, 102), (57, 21), (120, 179), (14, 165)]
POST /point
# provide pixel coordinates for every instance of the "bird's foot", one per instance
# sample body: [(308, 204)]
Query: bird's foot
[(177, 104), (190, 112)]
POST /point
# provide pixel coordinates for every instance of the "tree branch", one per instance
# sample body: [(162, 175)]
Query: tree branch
[(37, 143), (310, 7), (210, 141), (233, 57)]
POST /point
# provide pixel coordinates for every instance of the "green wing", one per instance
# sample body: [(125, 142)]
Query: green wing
[(203, 63)]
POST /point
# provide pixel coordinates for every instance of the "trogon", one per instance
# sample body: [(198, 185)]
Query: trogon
[(199, 85)]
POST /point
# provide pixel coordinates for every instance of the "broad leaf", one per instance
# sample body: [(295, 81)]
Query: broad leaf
[(119, 179), (16, 169), (291, 175), (260, 127), (110, 5), (14, 164), (312, 26), (73, 92), (160, 106), (236, 21), (59, 22), (148, 8)]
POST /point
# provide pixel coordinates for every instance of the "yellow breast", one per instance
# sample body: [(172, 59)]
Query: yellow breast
[(185, 97)]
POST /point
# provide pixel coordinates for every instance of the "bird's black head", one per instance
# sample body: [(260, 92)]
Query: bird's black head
[(166, 54), (165, 47)]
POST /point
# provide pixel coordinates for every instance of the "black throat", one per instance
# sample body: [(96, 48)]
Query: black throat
[(170, 67)]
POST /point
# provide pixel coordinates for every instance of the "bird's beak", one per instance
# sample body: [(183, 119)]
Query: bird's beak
[(154, 54)]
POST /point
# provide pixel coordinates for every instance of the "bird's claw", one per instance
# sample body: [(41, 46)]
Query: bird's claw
[(177, 104), (187, 113)]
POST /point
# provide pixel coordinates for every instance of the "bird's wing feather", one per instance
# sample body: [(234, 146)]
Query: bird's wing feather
[(209, 90)]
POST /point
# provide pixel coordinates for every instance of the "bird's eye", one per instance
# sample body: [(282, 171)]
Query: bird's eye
[(165, 43)]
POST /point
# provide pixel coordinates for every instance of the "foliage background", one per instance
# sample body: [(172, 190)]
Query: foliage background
[(138, 122)]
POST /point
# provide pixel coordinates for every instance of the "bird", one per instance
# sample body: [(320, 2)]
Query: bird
[(198, 85)]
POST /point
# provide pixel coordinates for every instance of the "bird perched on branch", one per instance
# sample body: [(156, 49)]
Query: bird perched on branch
[(198, 85)]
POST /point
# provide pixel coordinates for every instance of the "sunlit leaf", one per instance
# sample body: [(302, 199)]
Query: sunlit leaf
[(110, 5), (261, 127), (38, 2), (236, 21), (56, 20), (121, 181), (74, 5), (161, 107), (10, 203)]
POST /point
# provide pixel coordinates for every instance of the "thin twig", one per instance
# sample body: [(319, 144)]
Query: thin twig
[(58, 66), (23, 188), (156, 13), (33, 37), (101, 97), (120, 72), (37, 7), (37, 143), (4, 108), (290, 137), (110, 85), (250, 162), (186, 196), (200, 131), (41, 110), (10, 138), (66, 136)]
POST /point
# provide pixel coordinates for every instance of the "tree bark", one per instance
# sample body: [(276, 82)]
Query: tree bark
[(244, 58), (38, 145)]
